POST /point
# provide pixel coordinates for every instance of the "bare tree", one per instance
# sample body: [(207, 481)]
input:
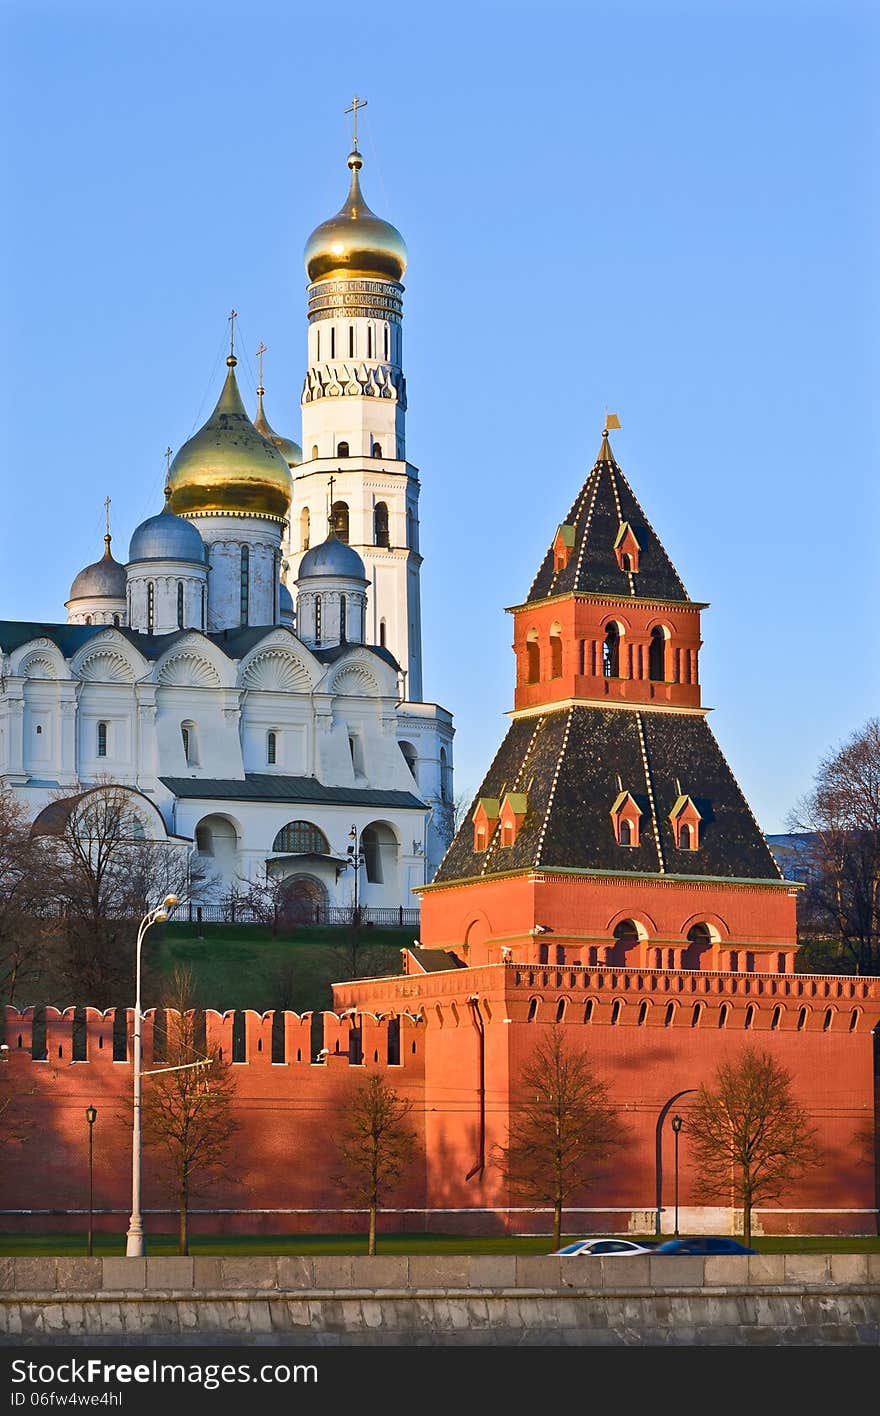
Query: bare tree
[(24, 931), (842, 813), (376, 1146), (749, 1138), (187, 1108), (563, 1129), (104, 874)]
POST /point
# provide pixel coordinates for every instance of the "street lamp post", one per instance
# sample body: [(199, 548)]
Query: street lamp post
[(658, 1153), (355, 856), (134, 1240), (676, 1124), (91, 1118)]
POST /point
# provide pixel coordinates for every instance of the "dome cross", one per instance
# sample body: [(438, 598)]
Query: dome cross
[(356, 103)]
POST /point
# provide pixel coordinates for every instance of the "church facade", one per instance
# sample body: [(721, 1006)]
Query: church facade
[(253, 672)]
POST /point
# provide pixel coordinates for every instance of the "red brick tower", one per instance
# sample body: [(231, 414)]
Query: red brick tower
[(609, 829)]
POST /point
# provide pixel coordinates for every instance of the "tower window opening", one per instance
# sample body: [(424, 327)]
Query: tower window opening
[(245, 583), (102, 739), (317, 619), (180, 604), (116, 620), (342, 449), (657, 655), (88, 619), (151, 606), (342, 619), (588, 1010), (203, 608), (380, 522), (555, 651), (382, 633), (332, 341), (318, 344), (339, 515), (305, 528), (611, 651), (696, 1014), (776, 1018), (669, 1016), (750, 1016), (314, 449), (684, 837), (625, 833), (615, 1012), (533, 1010), (271, 748), (829, 1018), (723, 1013), (386, 341), (643, 1013), (377, 449), (351, 341), (626, 560), (445, 793), (533, 657), (369, 341)]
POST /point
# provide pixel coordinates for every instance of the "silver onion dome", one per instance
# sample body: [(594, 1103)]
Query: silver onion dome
[(167, 537), (331, 557), (104, 580)]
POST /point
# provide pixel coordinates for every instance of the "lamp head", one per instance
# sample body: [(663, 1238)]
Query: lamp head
[(91, 1114), (677, 1124), (160, 915), (169, 902)]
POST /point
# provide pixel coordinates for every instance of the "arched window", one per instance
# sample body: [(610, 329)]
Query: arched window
[(555, 651), (342, 449), (180, 604), (369, 341), (411, 529), (750, 1016), (723, 1013), (377, 449), (379, 847), (190, 738), (611, 651), (271, 748), (332, 341), (386, 341), (116, 620), (342, 619), (409, 757), (380, 523), (245, 584), (339, 520), (351, 341), (533, 1010), (657, 655), (643, 1013), (444, 775), (314, 449), (669, 1015), (615, 1012), (829, 1019), (626, 934), (588, 1011), (560, 1010), (382, 633), (533, 657), (305, 527), (102, 739), (204, 608), (317, 619), (684, 837), (151, 606), (301, 838), (696, 1014), (776, 1018), (88, 619), (625, 833)]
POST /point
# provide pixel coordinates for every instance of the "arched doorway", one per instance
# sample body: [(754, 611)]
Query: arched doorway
[(304, 900)]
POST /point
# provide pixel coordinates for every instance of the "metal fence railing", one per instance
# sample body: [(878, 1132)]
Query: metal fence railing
[(300, 913)]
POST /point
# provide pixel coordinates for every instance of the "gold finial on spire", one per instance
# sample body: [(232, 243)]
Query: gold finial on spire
[(611, 420), (107, 537), (260, 352), (331, 520), (232, 361), (356, 103)]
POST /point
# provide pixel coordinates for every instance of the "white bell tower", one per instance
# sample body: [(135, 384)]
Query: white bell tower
[(354, 422)]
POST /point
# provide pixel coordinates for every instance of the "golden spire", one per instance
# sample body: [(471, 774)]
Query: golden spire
[(605, 453), (107, 537), (232, 361)]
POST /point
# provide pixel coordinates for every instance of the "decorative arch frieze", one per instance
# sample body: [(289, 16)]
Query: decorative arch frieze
[(104, 665), (277, 670), (187, 670)]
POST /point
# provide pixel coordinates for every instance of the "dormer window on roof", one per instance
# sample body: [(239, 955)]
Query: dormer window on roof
[(626, 549), (563, 545), (685, 820), (485, 819), (514, 809), (626, 817)]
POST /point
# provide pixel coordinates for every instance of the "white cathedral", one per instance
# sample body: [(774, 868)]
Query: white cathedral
[(278, 732)]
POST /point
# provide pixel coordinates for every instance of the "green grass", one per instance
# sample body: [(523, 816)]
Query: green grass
[(243, 966), (74, 1245)]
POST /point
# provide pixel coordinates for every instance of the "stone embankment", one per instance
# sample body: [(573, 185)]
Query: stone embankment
[(817, 1299)]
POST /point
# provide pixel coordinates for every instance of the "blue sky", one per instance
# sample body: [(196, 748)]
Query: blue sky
[(666, 209)]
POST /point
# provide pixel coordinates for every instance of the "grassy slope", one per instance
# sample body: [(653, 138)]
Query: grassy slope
[(242, 966)]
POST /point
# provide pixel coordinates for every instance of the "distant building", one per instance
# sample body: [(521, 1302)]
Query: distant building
[(796, 854)]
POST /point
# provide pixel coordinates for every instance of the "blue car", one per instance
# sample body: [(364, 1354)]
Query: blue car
[(703, 1244)]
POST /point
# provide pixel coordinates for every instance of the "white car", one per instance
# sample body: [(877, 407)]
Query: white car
[(603, 1247)]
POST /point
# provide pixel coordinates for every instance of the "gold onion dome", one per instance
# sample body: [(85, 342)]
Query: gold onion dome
[(228, 467), (355, 242), (290, 450)]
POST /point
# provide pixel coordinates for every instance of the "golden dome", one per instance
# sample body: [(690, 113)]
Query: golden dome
[(290, 450), (228, 467), (355, 241)]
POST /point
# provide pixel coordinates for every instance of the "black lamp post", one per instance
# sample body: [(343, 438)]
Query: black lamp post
[(355, 856), (676, 1124), (91, 1117)]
